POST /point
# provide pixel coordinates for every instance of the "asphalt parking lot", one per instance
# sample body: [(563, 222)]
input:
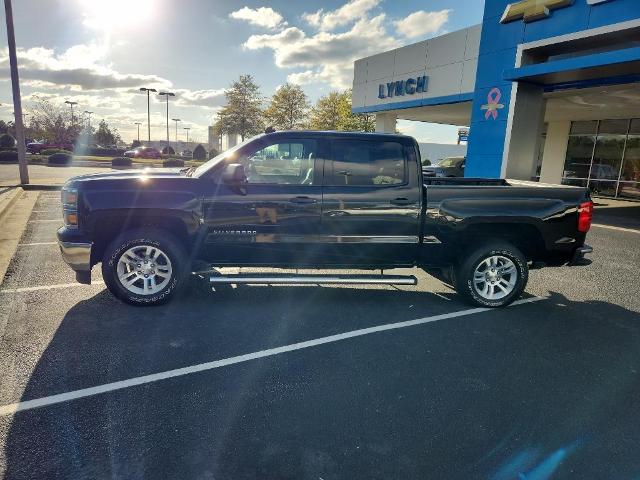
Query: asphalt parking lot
[(545, 389)]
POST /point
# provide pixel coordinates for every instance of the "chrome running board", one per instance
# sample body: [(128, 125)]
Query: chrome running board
[(313, 279)]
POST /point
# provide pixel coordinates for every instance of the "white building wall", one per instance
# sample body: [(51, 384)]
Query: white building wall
[(555, 151), (450, 61)]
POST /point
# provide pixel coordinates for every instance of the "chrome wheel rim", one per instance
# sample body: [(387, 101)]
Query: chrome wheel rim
[(144, 270), (495, 277)]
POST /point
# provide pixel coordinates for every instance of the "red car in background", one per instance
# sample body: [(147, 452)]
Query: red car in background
[(143, 152), (36, 147)]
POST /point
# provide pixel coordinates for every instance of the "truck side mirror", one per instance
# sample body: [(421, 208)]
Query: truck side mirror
[(233, 174)]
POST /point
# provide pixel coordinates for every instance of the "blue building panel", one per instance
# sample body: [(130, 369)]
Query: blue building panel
[(498, 50), (491, 67)]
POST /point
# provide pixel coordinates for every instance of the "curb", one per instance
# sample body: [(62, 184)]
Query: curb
[(13, 196)]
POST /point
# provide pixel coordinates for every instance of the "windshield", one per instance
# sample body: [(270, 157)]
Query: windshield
[(205, 167)]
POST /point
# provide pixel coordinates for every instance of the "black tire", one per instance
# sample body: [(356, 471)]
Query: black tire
[(153, 237), (464, 275)]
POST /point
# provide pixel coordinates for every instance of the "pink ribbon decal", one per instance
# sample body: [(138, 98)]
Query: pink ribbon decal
[(492, 106)]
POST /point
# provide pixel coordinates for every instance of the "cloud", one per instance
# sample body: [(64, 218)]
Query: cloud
[(326, 57), (200, 98), (346, 14), (422, 23), (265, 17), (78, 67)]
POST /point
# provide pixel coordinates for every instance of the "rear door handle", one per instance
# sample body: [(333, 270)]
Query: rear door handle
[(401, 201), (302, 199)]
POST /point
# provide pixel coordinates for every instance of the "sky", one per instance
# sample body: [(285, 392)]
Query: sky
[(99, 53)]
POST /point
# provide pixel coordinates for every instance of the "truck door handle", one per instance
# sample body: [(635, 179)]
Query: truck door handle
[(401, 201), (302, 199)]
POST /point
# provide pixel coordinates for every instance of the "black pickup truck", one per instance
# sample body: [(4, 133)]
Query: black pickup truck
[(317, 200)]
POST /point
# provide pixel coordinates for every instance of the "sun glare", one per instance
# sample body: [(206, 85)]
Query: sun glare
[(110, 15)]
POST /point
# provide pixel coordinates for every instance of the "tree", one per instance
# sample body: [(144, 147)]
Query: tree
[(7, 141), (288, 108), (199, 153), (7, 127), (136, 144), (242, 114), (333, 112), (52, 122), (106, 135)]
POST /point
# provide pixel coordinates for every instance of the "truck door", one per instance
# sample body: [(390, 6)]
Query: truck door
[(272, 218), (371, 203)]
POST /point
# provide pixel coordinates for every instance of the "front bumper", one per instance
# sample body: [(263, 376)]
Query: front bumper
[(78, 257)]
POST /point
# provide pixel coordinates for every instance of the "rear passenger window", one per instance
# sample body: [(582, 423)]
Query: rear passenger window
[(358, 162)]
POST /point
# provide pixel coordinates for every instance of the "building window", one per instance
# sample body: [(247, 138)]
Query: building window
[(605, 157)]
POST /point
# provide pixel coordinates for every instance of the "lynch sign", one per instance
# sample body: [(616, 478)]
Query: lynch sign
[(410, 86)]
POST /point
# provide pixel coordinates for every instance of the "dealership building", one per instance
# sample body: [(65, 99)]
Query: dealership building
[(550, 91)]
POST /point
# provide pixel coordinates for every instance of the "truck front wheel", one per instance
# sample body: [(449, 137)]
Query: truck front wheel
[(144, 267), (493, 275)]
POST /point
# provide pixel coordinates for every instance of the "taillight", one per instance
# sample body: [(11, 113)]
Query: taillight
[(585, 216)]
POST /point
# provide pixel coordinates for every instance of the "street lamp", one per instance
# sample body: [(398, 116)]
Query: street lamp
[(71, 104), (187, 129), (15, 88), (138, 124), (143, 89), (176, 120), (167, 95), (89, 116)]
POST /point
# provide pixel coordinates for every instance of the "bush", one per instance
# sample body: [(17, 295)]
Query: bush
[(168, 150), (213, 153), (121, 162), (60, 159), (52, 151), (7, 141), (199, 153), (8, 156), (173, 162)]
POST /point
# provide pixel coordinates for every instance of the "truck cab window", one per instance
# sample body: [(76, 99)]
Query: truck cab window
[(288, 163), (360, 163)]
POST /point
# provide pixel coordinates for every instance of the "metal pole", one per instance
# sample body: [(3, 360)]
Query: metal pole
[(17, 102), (148, 117)]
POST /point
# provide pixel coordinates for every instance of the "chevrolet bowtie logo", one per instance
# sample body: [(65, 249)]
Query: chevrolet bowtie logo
[(530, 10)]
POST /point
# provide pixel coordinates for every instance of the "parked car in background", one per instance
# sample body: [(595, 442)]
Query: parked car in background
[(447, 167), (37, 147), (143, 152), (186, 154)]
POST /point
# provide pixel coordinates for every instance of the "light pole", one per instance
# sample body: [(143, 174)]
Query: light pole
[(187, 129), (176, 120), (143, 89), (17, 101), (89, 117), (138, 124), (71, 104), (167, 95), (24, 117)]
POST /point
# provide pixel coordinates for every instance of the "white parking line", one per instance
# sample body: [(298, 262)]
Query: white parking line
[(36, 243), (620, 229), (179, 372), (46, 221), (48, 287)]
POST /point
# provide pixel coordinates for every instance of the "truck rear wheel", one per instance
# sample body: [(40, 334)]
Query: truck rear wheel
[(144, 266), (494, 275)]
